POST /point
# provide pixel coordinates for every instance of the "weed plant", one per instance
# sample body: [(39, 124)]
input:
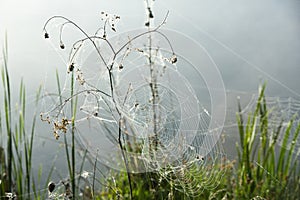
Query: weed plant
[(61, 122)]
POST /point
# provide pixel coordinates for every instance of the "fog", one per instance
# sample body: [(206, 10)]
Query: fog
[(249, 41)]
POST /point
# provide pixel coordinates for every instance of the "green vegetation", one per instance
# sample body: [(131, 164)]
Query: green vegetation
[(16, 178), (260, 170), (258, 173)]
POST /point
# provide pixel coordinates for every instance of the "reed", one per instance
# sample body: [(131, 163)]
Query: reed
[(16, 160), (266, 167)]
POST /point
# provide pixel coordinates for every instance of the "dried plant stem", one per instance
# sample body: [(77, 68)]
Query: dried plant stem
[(109, 66), (125, 158)]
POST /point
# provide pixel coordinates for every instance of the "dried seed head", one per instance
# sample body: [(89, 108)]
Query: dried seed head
[(51, 187), (150, 13), (56, 135), (173, 59), (46, 35), (64, 122), (79, 77), (62, 46), (71, 67)]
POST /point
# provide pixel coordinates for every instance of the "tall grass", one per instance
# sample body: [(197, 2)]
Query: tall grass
[(7, 112), (266, 167), (71, 161), (16, 160)]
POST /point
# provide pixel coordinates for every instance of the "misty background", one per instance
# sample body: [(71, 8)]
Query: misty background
[(249, 41)]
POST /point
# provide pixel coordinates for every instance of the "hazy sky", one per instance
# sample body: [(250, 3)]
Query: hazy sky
[(248, 40)]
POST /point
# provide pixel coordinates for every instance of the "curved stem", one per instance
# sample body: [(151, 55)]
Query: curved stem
[(81, 30), (145, 33)]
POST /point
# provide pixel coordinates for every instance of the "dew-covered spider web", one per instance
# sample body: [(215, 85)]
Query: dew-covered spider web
[(281, 111), (145, 104), (164, 106), (169, 106)]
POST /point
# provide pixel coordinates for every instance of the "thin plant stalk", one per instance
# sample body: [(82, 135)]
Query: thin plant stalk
[(268, 175), (7, 108), (19, 142), (73, 114)]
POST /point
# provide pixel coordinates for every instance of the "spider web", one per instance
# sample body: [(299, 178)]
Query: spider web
[(186, 107), (282, 110), (180, 158), (172, 130)]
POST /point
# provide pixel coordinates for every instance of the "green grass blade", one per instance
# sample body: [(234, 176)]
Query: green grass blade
[(58, 87), (240, 123), (283, 148), (7, 112), (291, 150)]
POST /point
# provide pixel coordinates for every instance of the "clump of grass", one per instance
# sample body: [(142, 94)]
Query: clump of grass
[(205, 182), (266, 168), (16, 179)]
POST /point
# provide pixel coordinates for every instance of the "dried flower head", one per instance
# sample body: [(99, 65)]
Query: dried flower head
[(47, 119), (62, 46), (173, 59), (150, 13), (79, 77), (56, 135), (71, 67), (60, 126), (46, 35)]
